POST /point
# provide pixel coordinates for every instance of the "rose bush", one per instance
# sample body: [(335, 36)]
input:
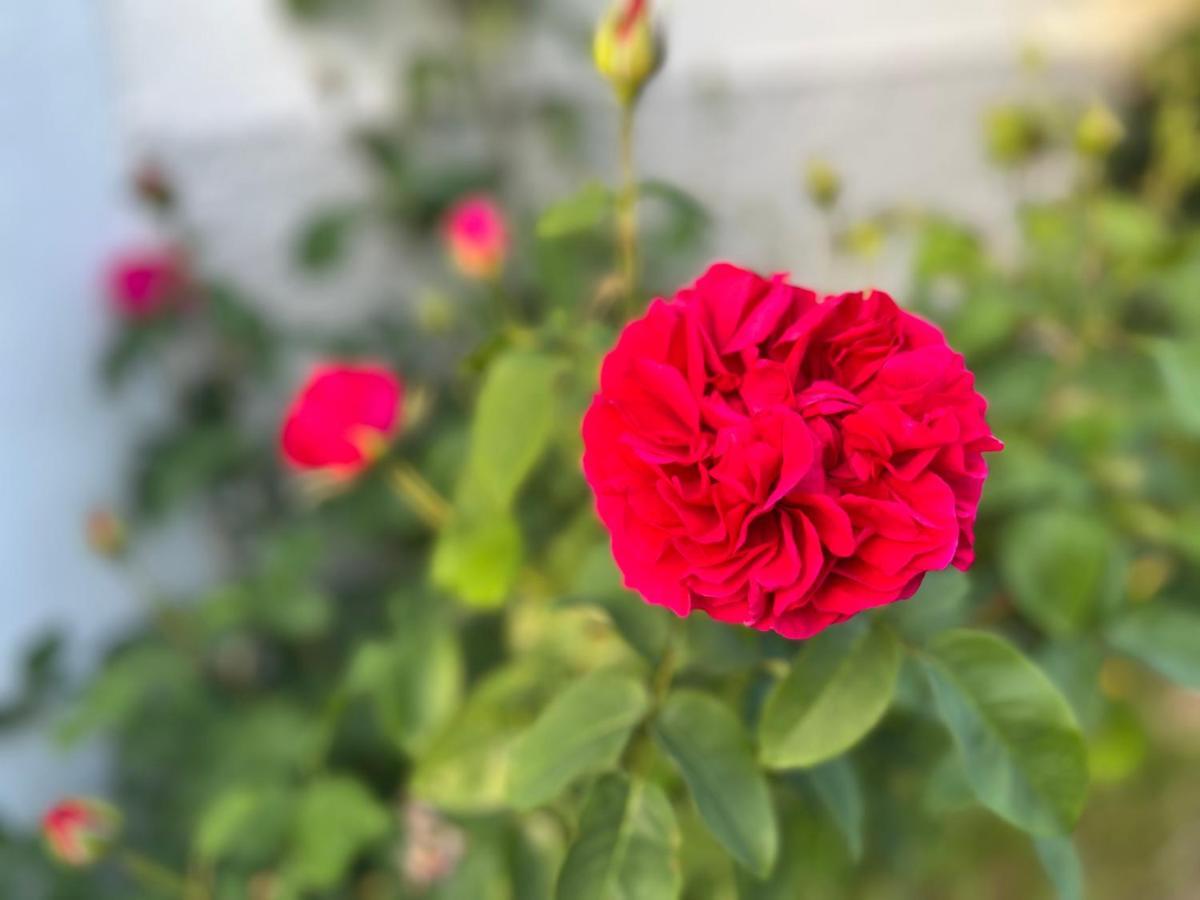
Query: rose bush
[(780, 460)]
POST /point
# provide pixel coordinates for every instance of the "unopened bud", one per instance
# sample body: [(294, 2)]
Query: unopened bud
[(152, 187), (106, 533), (627, 48), (476, 236), (1014, 135), (80, 831), (1098, 132), (823, 183)]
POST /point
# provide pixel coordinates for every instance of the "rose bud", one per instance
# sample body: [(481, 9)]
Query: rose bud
[(106, 533), (79, 831), (823, 183), (1098, 132), (476, 237), (433, 847), (627, 48), (151, 186), (780, 460), (342, 419), (143, 284)]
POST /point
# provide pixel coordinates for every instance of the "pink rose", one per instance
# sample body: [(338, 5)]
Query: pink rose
[(781, 460), (476, 237), (142, 284)]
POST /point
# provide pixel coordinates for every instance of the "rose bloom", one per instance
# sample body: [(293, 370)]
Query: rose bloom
[(77, 831), (477, 237), (342, 419), (780, 460), (142, 284)]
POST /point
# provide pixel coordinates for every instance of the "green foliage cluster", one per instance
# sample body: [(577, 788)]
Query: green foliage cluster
[(362, 708)]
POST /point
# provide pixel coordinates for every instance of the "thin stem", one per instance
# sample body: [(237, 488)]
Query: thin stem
[(627, 201), (151, 874), (420, 495)]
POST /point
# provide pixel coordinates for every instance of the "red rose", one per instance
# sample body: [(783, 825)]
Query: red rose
[(780, 460), (78, 831), (144, 283), (342, 418)]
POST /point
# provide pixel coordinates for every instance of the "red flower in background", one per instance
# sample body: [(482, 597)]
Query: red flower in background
[(78, 831), (342, 418), (477, 237), (784, 461), (144, 283)]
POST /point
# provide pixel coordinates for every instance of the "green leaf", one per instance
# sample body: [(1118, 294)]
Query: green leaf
[(414, 680), (583, 730), (1179, 365), (1165, 638), (477, 558), (941, 603), (465, 767), (582, 211), (1059, 566), (322, 241), (247, 823), (337, 820), (625, 847), (837, 690), (514, 420), (1023, 753), (713, 753), (836, 784), (1061, 862)]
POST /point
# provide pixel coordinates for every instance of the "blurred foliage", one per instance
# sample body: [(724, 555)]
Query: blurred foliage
[(357, 709)]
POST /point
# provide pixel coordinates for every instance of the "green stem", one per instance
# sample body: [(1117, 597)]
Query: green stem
[(627, 200), (420, 495), (152, 875)]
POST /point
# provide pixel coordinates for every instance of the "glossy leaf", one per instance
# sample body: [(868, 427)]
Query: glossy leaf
[(625, 846), (1022, 750), (709, 745), (836, 691), (1061, 863), (583, 730)]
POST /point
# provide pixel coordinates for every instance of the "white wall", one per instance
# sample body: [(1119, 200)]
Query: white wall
[(60, 210)]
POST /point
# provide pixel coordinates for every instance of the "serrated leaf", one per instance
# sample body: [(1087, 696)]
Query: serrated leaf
[(836, 691), (1165, 638), (709, 745), (1022, 750), (625, 847), (583, 730)]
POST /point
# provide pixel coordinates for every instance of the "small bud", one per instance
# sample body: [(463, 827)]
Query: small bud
[(1014, 135), (864, 239), (476, 237), (433, 847), (1098, 132), (823, 183), (627, 48), (152, 187), (80, 831), (106, 534)]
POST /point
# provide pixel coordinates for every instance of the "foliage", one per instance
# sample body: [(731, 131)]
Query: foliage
[(273, 735)]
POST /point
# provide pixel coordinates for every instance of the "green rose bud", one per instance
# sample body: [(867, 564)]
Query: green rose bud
[(627, 48)]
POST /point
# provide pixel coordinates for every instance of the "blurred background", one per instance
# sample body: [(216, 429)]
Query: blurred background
[(255, 108)]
